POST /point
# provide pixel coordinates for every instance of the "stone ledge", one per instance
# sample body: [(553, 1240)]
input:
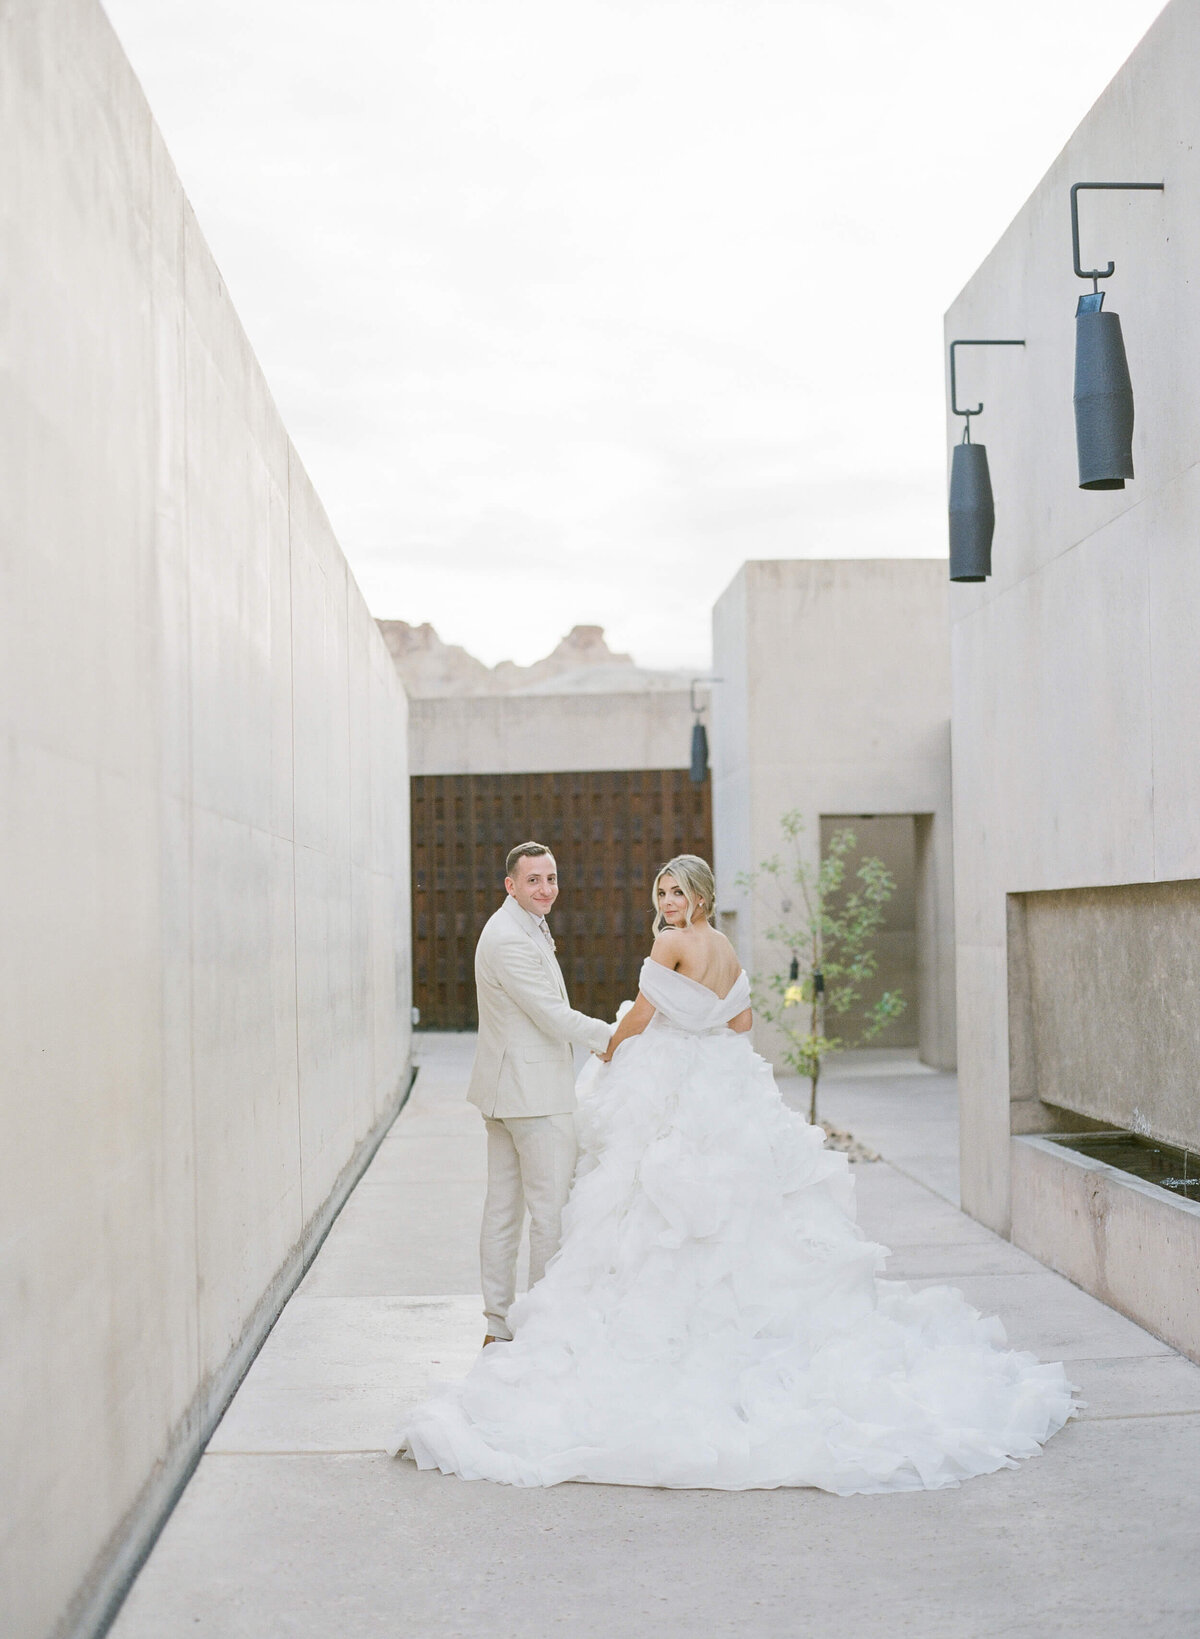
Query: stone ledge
[(1131, 1244)]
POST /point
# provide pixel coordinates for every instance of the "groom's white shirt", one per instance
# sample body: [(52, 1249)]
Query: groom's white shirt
[(523, 1062)]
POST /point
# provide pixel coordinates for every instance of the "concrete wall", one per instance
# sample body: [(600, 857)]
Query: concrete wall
[(551, 733), (835, 699), (1132, 1244), (203, 834), (1107, 984), (1076, 688)]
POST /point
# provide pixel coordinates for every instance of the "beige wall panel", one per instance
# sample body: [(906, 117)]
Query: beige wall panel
[(170, 613), (983, 1066), (389, 1042), (321, 702), (358, 729), (835, 699), (93, 1160), (360, 954), (391, 902), (1173, 571), (388, 821), (244, 1068), (934, 927), (1114, 991), (1094, 1225), (1076, 696), (248, 398), (240, 611), (362, 1009), (1056, 742), (805, 619), (154, 1195), (326, 1021), (551, 733), (97, 1211), (175, 1294)]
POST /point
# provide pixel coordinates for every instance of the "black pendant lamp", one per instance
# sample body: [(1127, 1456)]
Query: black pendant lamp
[(1103, 390), (698, 770), (972, 510)]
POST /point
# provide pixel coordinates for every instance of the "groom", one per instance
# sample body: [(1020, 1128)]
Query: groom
[(523, 1080)]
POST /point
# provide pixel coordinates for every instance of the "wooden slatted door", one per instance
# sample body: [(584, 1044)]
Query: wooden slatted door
[(610, 832)]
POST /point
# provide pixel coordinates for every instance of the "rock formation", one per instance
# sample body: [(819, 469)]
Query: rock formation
[(582, 663)]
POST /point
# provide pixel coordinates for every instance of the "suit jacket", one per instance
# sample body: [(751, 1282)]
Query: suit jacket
[(523, 1062)]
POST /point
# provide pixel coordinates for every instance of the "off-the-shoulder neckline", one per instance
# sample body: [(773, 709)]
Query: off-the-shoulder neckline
[(707, 988)]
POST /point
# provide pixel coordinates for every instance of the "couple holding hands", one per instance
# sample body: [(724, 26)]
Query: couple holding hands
[(702, 1309), (523, 1078)]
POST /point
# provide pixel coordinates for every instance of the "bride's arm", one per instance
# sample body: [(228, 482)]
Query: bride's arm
[(742, 1022), (664, 952), (634, 1022)]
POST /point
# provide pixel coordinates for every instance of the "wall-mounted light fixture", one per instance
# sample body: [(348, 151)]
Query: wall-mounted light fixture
[(699, 769), (1103, 390), (972, 510)]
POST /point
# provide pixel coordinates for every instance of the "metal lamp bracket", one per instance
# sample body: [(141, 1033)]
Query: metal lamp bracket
[(954, 404), (1095, 274), (697, 708)]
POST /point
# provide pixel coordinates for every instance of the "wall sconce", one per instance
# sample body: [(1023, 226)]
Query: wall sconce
[(1103, 390), (972, 511), (698, 772), (699, 769)]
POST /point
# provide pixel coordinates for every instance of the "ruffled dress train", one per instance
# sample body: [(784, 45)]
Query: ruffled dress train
[(714, 1318)]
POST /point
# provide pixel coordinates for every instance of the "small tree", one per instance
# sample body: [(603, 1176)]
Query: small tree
[(827, 930)]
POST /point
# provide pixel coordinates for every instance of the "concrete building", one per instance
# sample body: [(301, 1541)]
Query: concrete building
[(203, 837), (582, 708), (1077, 720), (834, 699), (583, 750), (547, 733)]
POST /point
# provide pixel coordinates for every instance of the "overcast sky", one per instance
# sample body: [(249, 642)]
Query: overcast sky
[(570, 306)]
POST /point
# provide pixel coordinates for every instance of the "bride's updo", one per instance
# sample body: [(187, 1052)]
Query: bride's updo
[(694, 876)]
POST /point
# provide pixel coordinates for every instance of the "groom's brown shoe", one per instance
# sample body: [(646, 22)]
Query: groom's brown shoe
[(490, 1339)]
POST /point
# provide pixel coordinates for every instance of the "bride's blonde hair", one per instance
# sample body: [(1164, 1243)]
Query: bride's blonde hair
[(694, 876)]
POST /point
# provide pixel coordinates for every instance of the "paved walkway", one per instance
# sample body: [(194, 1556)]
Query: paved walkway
[(297, 1526)]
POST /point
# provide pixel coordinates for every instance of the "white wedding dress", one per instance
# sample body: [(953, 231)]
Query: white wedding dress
[(714, 1317)]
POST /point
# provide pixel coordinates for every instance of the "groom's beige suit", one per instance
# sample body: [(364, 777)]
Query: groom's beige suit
[(523, 1081)]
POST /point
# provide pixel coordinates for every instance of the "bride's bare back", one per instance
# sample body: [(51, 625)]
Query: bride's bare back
[(699, 953), (688, 943), (691, 947)]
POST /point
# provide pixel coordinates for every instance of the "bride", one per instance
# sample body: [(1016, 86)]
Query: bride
[(713, 1316)]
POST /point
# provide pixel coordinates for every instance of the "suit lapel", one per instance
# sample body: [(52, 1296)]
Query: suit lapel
[(558, 973), (550, 959), (540, 944)]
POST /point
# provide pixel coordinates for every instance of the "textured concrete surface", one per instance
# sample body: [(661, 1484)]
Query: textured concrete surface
[(551, 733), (1075, 684), (1095, 960), (1095, 1225), (876, 744), (296, 1526), (203, 832)]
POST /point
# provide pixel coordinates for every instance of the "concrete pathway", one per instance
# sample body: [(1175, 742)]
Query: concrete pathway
[(297, 1526)]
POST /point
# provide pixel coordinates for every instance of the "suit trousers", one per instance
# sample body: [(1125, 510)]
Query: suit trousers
[(531, 1161)]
